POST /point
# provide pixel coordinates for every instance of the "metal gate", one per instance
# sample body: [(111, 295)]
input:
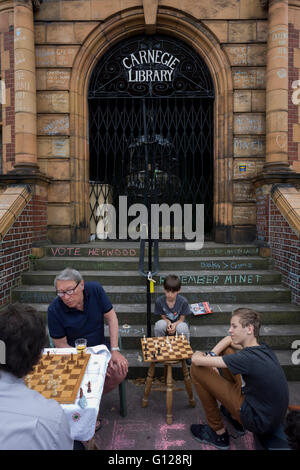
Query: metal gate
[(151, 126)]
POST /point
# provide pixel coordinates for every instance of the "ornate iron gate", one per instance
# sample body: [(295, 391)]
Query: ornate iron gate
[(151, 126)]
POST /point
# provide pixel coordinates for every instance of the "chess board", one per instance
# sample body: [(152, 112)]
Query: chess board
[(65, 369), (166, 348)]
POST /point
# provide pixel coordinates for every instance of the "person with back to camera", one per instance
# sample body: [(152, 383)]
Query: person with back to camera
[(28, 420), (292, 429), (260, 405), (173, 308)]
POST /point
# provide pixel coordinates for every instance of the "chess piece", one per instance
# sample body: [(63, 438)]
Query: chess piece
[(82, 399), (71, 360), (43, 379), (89, 387), (54, 390)]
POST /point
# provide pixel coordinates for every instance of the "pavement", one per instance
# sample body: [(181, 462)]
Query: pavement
[(146, 428)]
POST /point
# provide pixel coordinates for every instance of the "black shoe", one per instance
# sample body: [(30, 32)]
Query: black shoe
[(238, 427), (204, 433)]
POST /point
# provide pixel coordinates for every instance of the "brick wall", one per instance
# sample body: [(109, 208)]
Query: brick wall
[(285, 248), (262, 215), (29, 228), (39, 219), (274, 231), (15, 249)]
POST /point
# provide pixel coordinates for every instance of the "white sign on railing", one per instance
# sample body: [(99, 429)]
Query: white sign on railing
[(2, 92), (2, 352)]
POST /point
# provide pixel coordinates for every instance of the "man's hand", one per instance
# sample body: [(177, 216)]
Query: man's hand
[(119, 362)]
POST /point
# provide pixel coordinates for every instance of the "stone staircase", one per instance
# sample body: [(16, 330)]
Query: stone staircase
[(228, 276)]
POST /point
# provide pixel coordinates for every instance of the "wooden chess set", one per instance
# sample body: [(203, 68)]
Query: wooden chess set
[(58, 376), (166, 348)]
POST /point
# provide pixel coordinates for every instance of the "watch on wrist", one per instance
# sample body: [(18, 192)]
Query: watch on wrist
[(115, 349), (211, 353)]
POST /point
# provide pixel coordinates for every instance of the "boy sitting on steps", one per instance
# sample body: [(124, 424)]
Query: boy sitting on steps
[(172, 307)]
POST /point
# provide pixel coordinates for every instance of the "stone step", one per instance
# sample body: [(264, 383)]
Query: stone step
[(116, 249), (281, 313), (165, 263), (129, 314), (196, 278), (137, 294), (139, 369), (204, 337)]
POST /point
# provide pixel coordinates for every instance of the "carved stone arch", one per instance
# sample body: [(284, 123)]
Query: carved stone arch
[(206, 45)]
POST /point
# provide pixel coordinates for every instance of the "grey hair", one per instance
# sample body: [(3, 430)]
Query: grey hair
[(68, 274)]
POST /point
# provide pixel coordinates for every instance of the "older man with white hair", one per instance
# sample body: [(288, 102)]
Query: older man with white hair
[(79, 311)]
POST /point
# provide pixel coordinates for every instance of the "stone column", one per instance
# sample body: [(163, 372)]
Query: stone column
[(277, 89), (25, 89)]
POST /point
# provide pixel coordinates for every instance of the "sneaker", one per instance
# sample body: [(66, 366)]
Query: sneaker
[(238, 427), (204, 433)]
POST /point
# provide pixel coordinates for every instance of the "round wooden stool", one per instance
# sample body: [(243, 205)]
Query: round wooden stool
[(169, 385)]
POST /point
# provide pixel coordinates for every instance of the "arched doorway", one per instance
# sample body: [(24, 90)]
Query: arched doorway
[(151, 103)]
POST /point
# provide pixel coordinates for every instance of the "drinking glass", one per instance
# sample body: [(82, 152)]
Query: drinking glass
[(80, 344)]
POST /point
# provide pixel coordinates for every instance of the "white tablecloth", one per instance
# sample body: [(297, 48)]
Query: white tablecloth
[(83, 420)]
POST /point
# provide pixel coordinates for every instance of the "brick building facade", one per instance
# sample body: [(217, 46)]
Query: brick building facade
[(49, 50)]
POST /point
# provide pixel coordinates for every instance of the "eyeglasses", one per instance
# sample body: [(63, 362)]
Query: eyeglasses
[(61, 293)]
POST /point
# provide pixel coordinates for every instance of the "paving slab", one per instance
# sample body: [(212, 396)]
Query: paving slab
[(146, 428)]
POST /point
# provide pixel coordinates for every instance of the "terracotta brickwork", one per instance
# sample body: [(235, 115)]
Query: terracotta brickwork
[(8, 108), (293, 109), (285, 248), (294, 75), (56, 48), (66, 52)]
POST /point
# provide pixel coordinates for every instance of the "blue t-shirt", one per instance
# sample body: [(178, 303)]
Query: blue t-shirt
[(181, 307), (72, 323)]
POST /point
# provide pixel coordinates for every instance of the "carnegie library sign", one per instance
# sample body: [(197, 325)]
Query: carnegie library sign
[(145, 66), (152, 65)]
